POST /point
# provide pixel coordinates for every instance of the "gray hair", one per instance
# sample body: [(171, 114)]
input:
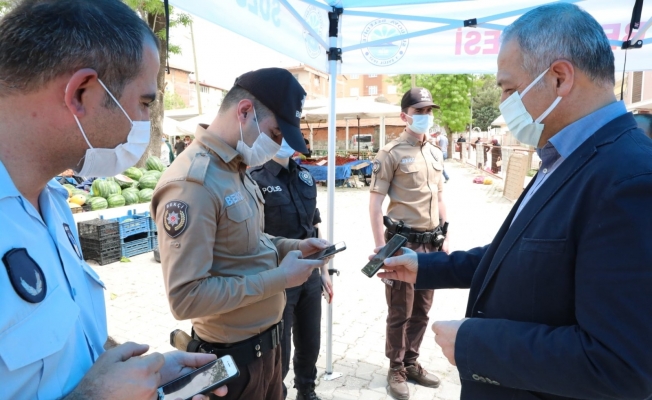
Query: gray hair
[(562, 31), (41, 40)]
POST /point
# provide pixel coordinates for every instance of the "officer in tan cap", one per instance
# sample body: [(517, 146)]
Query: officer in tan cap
[(220, 270), (409, 171)]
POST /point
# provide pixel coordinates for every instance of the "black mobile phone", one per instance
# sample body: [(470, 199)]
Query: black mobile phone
[(327, 252), (394, 244), (203, 380)]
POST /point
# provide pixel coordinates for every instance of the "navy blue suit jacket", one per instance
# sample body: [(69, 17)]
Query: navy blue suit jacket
[(560, 304)]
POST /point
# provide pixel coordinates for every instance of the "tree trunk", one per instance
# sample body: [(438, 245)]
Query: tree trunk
[(157, 108)]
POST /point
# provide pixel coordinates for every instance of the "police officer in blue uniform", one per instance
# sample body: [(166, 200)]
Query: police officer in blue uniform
[(291, 212), (69, 108)]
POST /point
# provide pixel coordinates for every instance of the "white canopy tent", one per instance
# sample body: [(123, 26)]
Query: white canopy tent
[(400, 36)]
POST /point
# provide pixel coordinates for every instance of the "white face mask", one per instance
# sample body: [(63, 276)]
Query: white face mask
[(262, 150), (286, 151), (421, 124), (109, 162), (519, 121)]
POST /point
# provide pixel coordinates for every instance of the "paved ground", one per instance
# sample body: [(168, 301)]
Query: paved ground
[(138, 310)]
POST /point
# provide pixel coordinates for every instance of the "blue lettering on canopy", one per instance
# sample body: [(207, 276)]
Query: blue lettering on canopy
[(266, 9)]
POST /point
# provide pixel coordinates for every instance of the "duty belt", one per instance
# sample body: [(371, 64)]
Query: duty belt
[(244, 352), (435, 237)]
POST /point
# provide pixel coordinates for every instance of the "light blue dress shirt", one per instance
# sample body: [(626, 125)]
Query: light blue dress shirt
[(47, 347), (566, 141)]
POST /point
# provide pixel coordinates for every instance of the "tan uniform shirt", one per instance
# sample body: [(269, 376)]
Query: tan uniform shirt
[(410, 173), (219, 268)]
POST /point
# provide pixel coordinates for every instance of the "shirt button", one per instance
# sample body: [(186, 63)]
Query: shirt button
[(545, 170), (475, 377)]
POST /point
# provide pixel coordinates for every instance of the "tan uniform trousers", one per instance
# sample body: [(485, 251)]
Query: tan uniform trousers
[(407, 316)]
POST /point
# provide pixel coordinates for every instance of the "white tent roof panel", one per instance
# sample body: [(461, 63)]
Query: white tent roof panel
[(299, 29)]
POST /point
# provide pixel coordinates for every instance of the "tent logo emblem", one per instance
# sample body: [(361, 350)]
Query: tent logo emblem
[(390, 52), (314, 18)]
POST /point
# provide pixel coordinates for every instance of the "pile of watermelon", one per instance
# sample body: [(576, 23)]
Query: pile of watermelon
[(135, 185)]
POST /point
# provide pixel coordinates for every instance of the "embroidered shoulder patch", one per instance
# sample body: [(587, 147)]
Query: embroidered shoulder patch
[(376, 166), (175, 218), (306, 178)]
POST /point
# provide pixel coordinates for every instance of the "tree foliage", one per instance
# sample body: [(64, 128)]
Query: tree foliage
[(451, 93), (485, 101), (153, 12), (6, 6)]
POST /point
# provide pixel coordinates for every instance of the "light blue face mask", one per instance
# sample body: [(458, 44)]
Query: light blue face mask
[(286, 151)]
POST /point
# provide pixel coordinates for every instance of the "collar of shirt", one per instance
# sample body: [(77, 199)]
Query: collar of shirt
[(567, 140), (220, 147), (7, 187), (275, 168), (405, 136)]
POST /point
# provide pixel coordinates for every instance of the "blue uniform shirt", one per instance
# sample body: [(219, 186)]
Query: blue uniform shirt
[(46, 347), (290, 199)]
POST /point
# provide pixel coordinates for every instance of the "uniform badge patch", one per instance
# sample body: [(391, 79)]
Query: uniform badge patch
[(73, 242), (306, 178), (175, 218), (25, 275), (376, 166)]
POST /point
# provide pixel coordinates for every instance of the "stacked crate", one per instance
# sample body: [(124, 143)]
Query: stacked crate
[(153, 234), (134, 234), (100, 240)]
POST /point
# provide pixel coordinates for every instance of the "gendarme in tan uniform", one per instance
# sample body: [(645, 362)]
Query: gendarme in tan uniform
[(219, 268), (410, 173)]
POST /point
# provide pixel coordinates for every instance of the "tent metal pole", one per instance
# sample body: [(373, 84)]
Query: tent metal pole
[(332, 140)]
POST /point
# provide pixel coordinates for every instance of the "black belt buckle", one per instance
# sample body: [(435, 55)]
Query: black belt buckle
[(427, 237)]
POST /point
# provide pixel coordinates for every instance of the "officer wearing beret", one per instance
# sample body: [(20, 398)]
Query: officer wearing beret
[(64, 104), (291, 211), (220, 269), (409, 171)]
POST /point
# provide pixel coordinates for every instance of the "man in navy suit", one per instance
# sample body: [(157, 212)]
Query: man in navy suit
[(560, 302)]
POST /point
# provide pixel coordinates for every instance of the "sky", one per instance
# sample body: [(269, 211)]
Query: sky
[(222, 55)]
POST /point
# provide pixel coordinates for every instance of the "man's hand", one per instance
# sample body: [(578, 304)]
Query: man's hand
[(402, 267), (313, 245), (326, 281), (445, 335), (444, 246), (120, 373), (179, 363), (298, 270)]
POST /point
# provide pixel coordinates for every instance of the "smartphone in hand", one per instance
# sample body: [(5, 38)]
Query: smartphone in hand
[(203, 380), (392, 246), (327, 252)]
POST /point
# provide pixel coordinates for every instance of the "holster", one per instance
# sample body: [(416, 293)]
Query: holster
[(434, 237)]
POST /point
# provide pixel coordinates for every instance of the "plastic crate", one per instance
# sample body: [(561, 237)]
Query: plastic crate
[(132, 224), (135, 247), (103, 252), (152, 225), (98, 229)]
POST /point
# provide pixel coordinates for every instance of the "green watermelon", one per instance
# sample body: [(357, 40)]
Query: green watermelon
[(116, 200), (143, 170), (154, 163), (147, 182), (124, 183), (145, 195), (156, 174), (100, 188), (113, 188), (134, 173), (98, 203), (69, 186), (130, 196)]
